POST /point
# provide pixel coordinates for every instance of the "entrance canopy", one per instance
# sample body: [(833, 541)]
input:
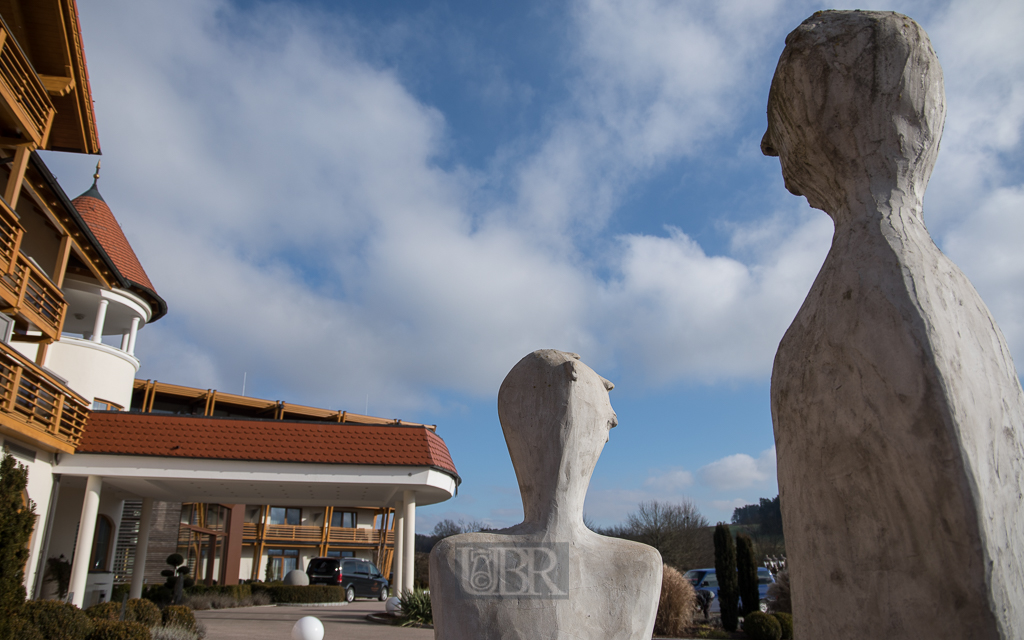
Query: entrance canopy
[(246, 461)]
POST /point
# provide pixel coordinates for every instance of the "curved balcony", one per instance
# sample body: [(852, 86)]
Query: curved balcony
[(96, 369)]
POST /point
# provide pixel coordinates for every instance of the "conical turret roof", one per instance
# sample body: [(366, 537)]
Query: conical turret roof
[(103, 225)]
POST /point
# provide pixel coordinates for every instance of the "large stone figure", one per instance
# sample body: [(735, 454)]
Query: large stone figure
[(549, 577), (899, 418)]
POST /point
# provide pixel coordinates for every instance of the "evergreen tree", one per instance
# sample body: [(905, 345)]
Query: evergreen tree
[(746, 565), (16, 522), (725, 570)]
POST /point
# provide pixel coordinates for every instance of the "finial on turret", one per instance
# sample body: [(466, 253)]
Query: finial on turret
[(96, 176)]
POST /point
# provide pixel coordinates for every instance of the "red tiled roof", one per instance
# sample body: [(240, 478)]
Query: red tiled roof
[(104, 226), (178, 436)]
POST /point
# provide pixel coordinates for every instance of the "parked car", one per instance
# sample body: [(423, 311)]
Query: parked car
[(706, 580), (359, 577)]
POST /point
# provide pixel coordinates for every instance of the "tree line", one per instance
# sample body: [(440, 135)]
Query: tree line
[(678, 530)]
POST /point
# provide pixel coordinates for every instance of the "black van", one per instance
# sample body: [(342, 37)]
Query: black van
[(361, 578)]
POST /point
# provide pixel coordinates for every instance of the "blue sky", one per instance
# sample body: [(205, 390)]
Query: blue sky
[(385, 205)]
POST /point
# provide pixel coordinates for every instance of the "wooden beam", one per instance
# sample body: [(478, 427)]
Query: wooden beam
[(41, 357), (21, 156), (58, 85), (63, 253)]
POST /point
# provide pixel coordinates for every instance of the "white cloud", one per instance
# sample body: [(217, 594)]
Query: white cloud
[(674, 479), (285, 194), (739, 471)]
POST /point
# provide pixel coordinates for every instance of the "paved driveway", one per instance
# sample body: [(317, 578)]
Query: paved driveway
[(275, 623)]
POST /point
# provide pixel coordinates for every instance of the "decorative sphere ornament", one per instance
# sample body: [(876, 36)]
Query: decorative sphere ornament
[(296, 577), (393, 606), (308, 628)]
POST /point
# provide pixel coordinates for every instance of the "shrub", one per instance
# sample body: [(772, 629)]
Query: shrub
[(16, 522), (104, 611), (115, 630), (416, 608), (57, 620), (786, 622), (22, 629), (761, 626), (779, 598), (746, 573), (177, 633), (675, 607), (725, 570), (143, 611), (179, 616)]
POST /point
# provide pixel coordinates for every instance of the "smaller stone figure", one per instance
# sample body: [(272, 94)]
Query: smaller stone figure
[(549, 577)]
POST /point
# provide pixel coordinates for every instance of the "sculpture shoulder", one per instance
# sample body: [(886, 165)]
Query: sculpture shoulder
[(628, 550)]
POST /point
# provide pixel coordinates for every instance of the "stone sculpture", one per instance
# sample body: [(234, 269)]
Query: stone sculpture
[(549, 577), (899, 417)]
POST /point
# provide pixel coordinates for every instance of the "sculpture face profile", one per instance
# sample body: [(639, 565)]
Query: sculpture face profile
[(856, 106), (549, 576), (898, 414)]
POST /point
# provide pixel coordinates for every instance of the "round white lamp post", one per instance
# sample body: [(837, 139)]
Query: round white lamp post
[(308, 628)]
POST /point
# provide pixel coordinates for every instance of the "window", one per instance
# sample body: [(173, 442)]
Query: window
[(285, 515), (103, 405), (101, 544), (280, 562), (341, 554), (344, 519)]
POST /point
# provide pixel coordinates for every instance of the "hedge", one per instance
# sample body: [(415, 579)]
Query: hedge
[(57, 620), (114, 630), (236, 591), (300, 593)]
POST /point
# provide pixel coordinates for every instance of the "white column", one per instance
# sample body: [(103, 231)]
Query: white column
[(399, 562), (101, 317), (124, 342), (131, 336), (410, 540), (83, 547), (141, 549)]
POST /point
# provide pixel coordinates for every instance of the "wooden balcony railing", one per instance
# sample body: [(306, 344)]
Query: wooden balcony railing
[(308, 534), (23, 91), (11, 232), (33, 399), (24, 289)]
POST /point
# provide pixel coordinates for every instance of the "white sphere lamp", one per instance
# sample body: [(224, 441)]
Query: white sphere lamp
[(308, 628), (393, 606)]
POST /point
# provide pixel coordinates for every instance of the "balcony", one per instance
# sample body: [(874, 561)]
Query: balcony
[(26, 104), (282, 533), (25, 290), (34, 403)]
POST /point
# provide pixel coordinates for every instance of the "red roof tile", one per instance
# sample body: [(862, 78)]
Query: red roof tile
[(177, 436), (104, 226)]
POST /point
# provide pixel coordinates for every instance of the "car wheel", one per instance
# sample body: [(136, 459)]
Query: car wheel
[(763, 606), (350, 594), (383, 594)]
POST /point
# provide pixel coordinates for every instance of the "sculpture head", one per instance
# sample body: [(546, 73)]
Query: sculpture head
[(855, 109), (555, 414)]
